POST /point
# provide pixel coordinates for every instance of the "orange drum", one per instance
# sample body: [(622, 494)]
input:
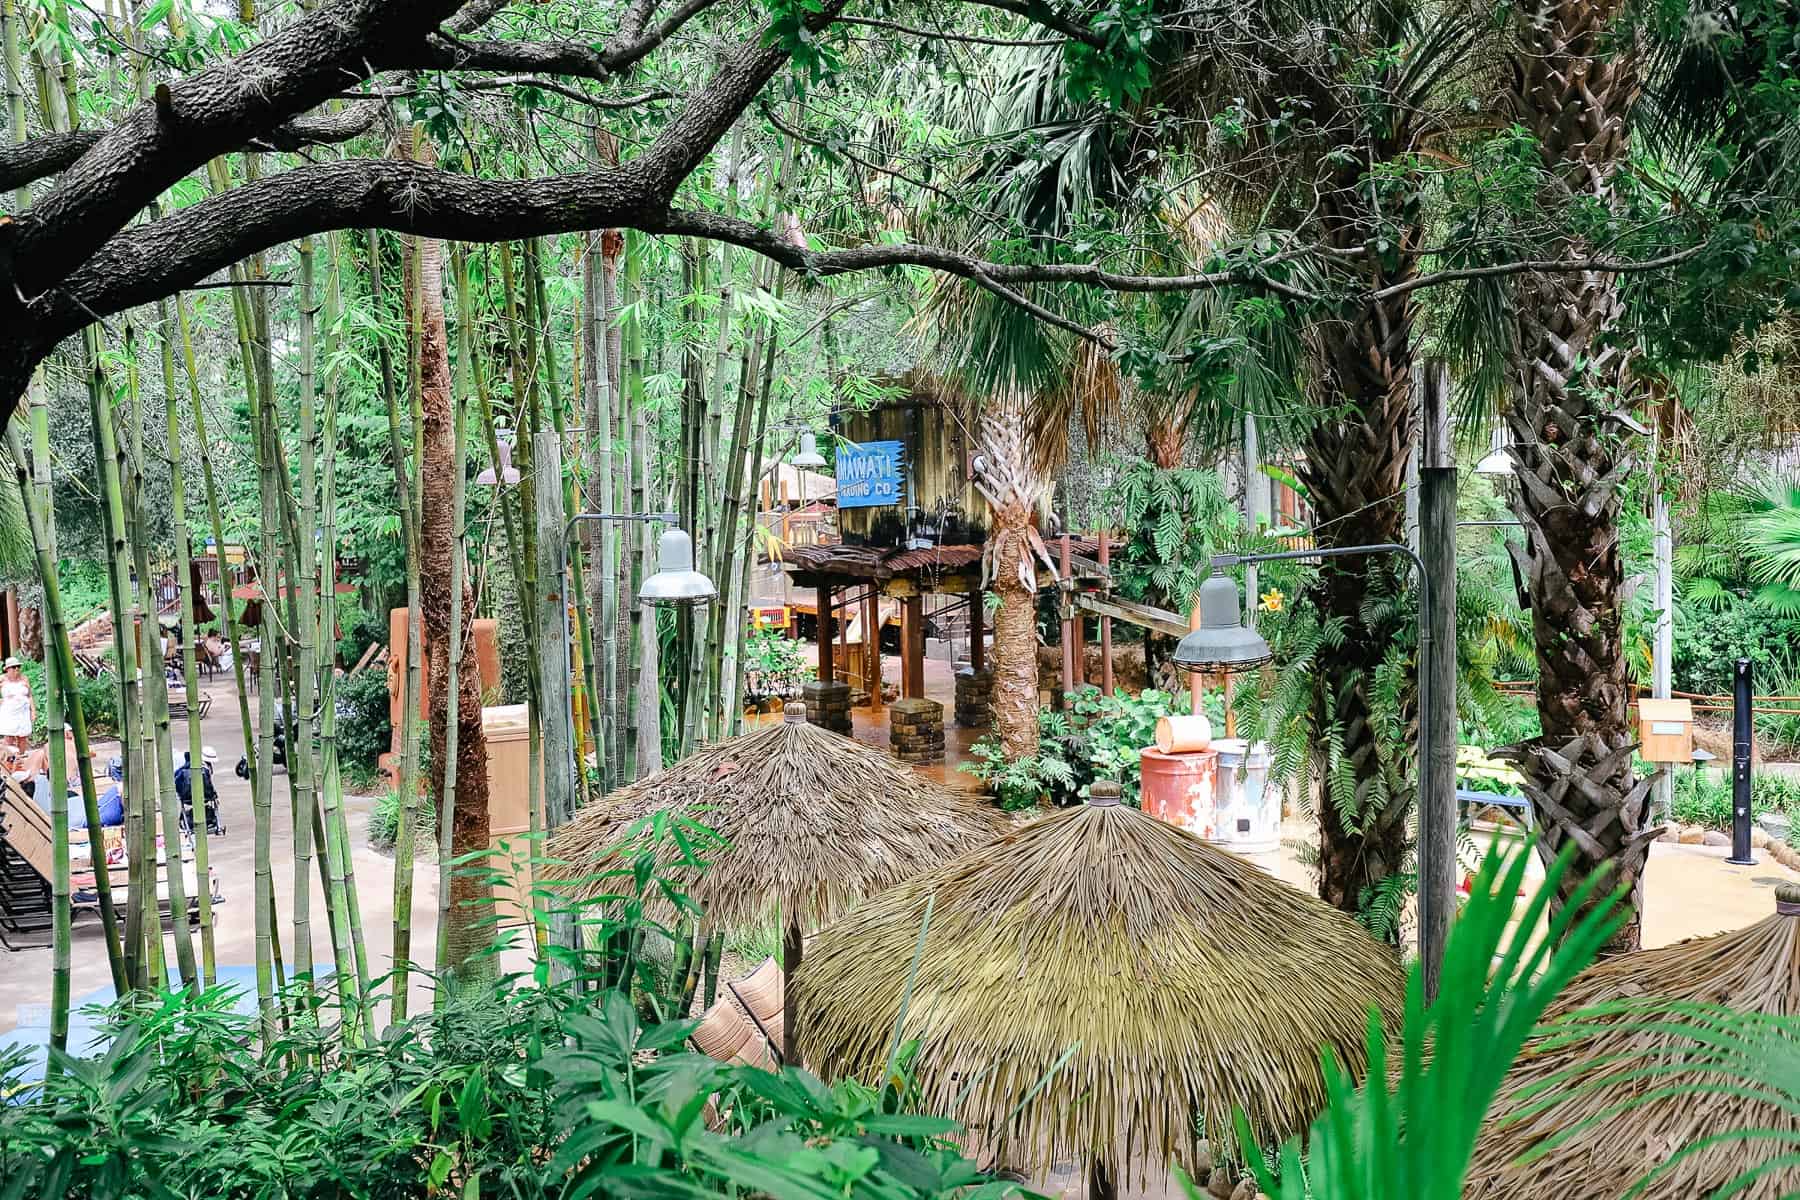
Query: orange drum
[(1180, 789)]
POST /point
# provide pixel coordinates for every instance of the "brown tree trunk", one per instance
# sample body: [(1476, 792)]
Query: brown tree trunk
[(31, 632), (1355, 472), (1015, 661), (1164, 441), (1575, 80), (470, 909)]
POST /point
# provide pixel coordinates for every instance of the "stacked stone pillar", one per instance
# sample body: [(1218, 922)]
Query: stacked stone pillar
[(828, 704), (974, 699), (916, 730)]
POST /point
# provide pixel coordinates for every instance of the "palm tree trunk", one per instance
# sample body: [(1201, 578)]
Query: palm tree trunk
[(1355, 471), (1015, 690), (1574, 83)]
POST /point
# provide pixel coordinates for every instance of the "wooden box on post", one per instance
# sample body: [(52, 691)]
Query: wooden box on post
[(1666, 729), (510, 798)]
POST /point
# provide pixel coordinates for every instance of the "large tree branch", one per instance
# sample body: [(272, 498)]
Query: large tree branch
[(446, 53), (27, 162), (214, 111), (874, 257)]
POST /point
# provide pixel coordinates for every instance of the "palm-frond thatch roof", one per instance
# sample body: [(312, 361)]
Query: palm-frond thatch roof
[(1182, 982), (1610, 1057), (812, 822)]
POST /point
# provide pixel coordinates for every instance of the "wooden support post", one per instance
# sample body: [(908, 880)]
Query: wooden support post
[(912, 647), (1196, 679), (825, 675), (848, 668), (1106, 666), (977, 631), (1068, 620), (872, 647)]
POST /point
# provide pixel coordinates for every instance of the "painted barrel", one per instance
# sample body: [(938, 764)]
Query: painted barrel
[(1249, 811), (1181, 789)]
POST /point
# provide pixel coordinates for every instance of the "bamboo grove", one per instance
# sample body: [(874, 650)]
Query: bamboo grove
[(460, 349)]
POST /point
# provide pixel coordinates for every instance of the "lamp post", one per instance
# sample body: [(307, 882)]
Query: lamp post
[(1223, 644), (675, 583), (808, 459)]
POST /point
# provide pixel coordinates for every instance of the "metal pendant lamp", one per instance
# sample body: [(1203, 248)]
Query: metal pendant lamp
[(1221, 644), (676, 583)]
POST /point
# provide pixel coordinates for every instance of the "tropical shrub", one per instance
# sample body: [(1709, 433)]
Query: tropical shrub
[(1708, 641), (1174, 520), (365, 729), (1704, 797), (1095, 736), (384, 824), (775, 665), (361, 629)]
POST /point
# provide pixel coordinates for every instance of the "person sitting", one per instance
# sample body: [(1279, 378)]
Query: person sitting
[(111, 803), (184, 788)]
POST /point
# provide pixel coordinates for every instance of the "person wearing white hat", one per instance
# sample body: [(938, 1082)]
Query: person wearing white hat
[(184, 789), (18, 708)]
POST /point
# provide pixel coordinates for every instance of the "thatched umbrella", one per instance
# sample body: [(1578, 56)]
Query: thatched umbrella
[(1180, 981), (1613, 1061), (812, 823)]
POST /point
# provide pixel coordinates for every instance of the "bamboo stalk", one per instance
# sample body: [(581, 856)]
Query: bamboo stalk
[(39, 514), (407, 774), (347, 941), (112, 522), (190, 668), (301, 571)]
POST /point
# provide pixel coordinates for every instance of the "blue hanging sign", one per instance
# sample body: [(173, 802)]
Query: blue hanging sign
[(868, 474)]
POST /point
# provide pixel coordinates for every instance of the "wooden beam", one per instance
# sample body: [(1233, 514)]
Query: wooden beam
[(824, 633), (1068, 626), (1106, 664), (951, 584), (1156, 620)]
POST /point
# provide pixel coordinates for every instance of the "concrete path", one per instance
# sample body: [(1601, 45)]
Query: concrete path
[(25, 975)]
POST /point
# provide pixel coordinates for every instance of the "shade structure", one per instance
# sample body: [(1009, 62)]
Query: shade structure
[(814, 822), (1182, 982), (1755, 969)]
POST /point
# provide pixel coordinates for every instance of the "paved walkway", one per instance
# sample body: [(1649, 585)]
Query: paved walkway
[(25, 975)]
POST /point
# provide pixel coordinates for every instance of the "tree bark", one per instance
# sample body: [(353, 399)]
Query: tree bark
[(1355, 473), (1015, 692), (470, 897), (1574, 83)]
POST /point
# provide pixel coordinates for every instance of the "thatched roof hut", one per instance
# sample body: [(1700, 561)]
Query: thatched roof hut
[(1754, 970), (812, 822), (1181, 982)]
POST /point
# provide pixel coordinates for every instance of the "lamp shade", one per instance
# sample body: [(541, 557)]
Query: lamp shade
[(507, 474), (1496, 462), (809, 455), (676, 582), (1221, 643)]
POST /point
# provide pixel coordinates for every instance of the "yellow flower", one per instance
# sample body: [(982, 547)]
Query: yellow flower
[(1272, 600)]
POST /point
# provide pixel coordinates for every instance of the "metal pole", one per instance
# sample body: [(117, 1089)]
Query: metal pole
[(1436, 795), (1437, 679), (1740, 765)]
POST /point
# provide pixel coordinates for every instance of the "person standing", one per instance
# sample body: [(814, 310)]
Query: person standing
[(18, 707), (184, 790)]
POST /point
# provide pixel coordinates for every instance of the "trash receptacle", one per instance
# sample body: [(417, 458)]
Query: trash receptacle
[(507, 728)]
